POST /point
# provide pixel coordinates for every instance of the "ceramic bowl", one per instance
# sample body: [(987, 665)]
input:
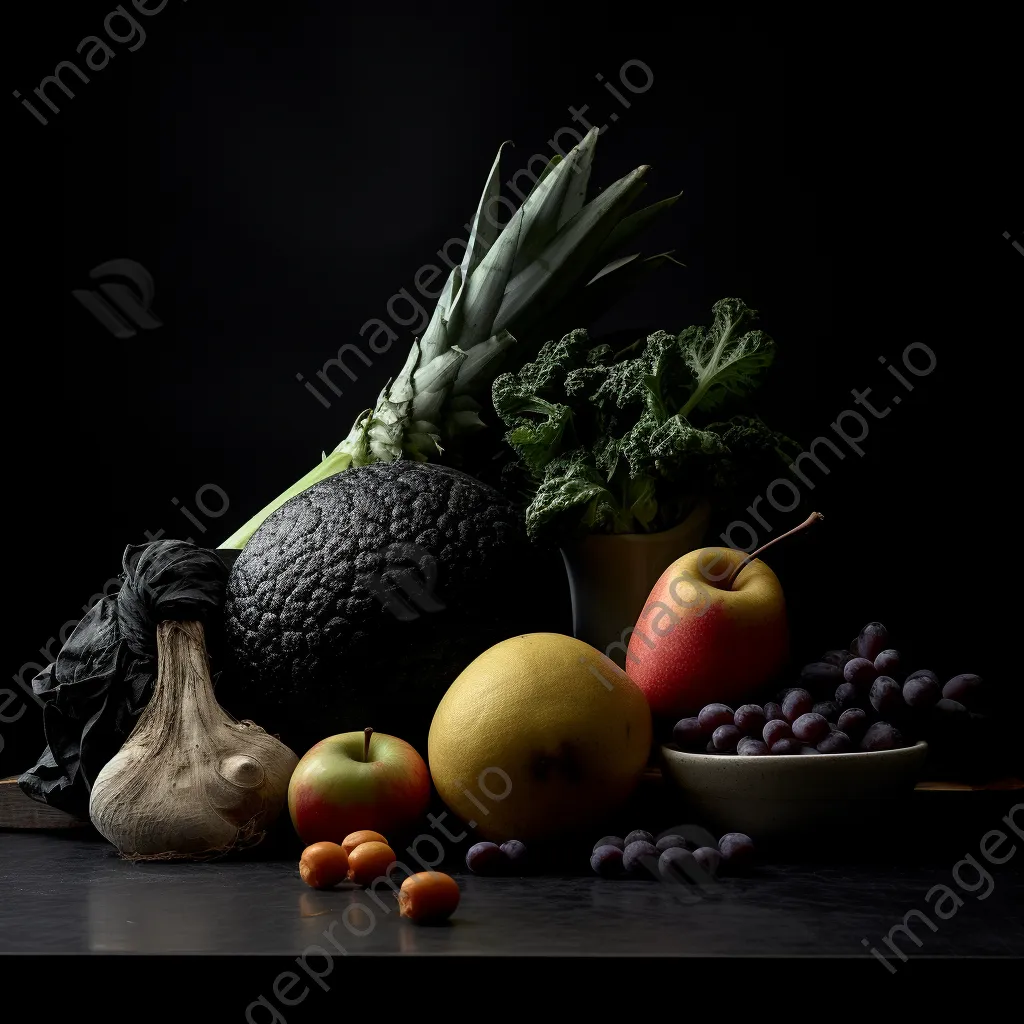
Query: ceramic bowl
[(783, 797)]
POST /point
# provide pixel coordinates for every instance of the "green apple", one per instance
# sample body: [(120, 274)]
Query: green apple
[(357, 780)]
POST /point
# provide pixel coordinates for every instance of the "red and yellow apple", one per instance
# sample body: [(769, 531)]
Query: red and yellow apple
[(704, 637), (357, 780)]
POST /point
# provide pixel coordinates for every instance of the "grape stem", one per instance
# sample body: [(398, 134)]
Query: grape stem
[(814, 517), (367, 733)]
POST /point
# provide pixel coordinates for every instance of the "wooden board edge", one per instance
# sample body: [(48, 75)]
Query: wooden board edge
[(18, 811)]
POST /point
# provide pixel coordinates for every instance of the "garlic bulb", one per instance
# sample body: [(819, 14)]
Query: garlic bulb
[(190, 781)]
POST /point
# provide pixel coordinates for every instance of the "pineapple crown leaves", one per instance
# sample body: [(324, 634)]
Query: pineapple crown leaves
[(512, 274), (511, 277)]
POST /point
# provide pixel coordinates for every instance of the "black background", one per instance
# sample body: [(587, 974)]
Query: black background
[(283, 170)]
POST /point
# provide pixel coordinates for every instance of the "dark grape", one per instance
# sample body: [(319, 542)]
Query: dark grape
[(827, 710), (860, 672), (836, 743), (837, 658), (714, 715), (708, 858), (711, 748), (725, 737), (810, 728), (872, 640), (926, 673), (773, 712), (821, 675), (855, 647), (786, 746), (847, 696), (611, 841), (668, 842), (949, 712), (688, 734), (749, 719), (853, 721), (887, 663), (638, 835), (485, 859), (808, 749), (751, 747), (776, 730), (921, 692), (963, 689), (798, 702), (677, 865), (634, 855), (515, 854), (886, 696), (607, 861), (882, 736), (737, 851)]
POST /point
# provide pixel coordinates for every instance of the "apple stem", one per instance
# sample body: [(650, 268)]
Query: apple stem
[(814, 517), (367, 733)]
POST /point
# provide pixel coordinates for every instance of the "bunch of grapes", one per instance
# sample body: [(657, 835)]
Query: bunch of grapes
[(851, 700), (492, 859), (673, 858)]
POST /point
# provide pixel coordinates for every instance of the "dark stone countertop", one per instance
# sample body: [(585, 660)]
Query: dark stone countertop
[(71, 894)]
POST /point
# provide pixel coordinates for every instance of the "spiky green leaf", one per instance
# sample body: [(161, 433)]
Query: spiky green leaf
[(568, 253), (479, 367), (485, 226), (577, 193), (435, 337), (636, 222)]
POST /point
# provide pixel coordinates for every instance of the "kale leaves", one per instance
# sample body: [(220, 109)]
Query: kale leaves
[(623, 442)]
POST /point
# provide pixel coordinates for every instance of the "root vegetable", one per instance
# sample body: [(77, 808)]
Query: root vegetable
[(190, 782)]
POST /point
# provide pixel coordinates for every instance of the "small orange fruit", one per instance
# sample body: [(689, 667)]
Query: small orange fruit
[(428, 897), (323, 865), (369, 861), (354, 839)]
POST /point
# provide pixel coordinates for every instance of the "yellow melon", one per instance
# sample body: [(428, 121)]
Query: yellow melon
[(539, 735)]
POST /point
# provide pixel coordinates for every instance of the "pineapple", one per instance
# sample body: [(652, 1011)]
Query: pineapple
[(541, 273)]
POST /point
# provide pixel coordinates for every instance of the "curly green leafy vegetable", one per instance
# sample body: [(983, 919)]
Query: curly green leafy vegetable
[(622, 442), (724, 358)]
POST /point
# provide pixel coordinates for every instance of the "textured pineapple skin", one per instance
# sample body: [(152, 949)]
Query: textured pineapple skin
[(313, 651)]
